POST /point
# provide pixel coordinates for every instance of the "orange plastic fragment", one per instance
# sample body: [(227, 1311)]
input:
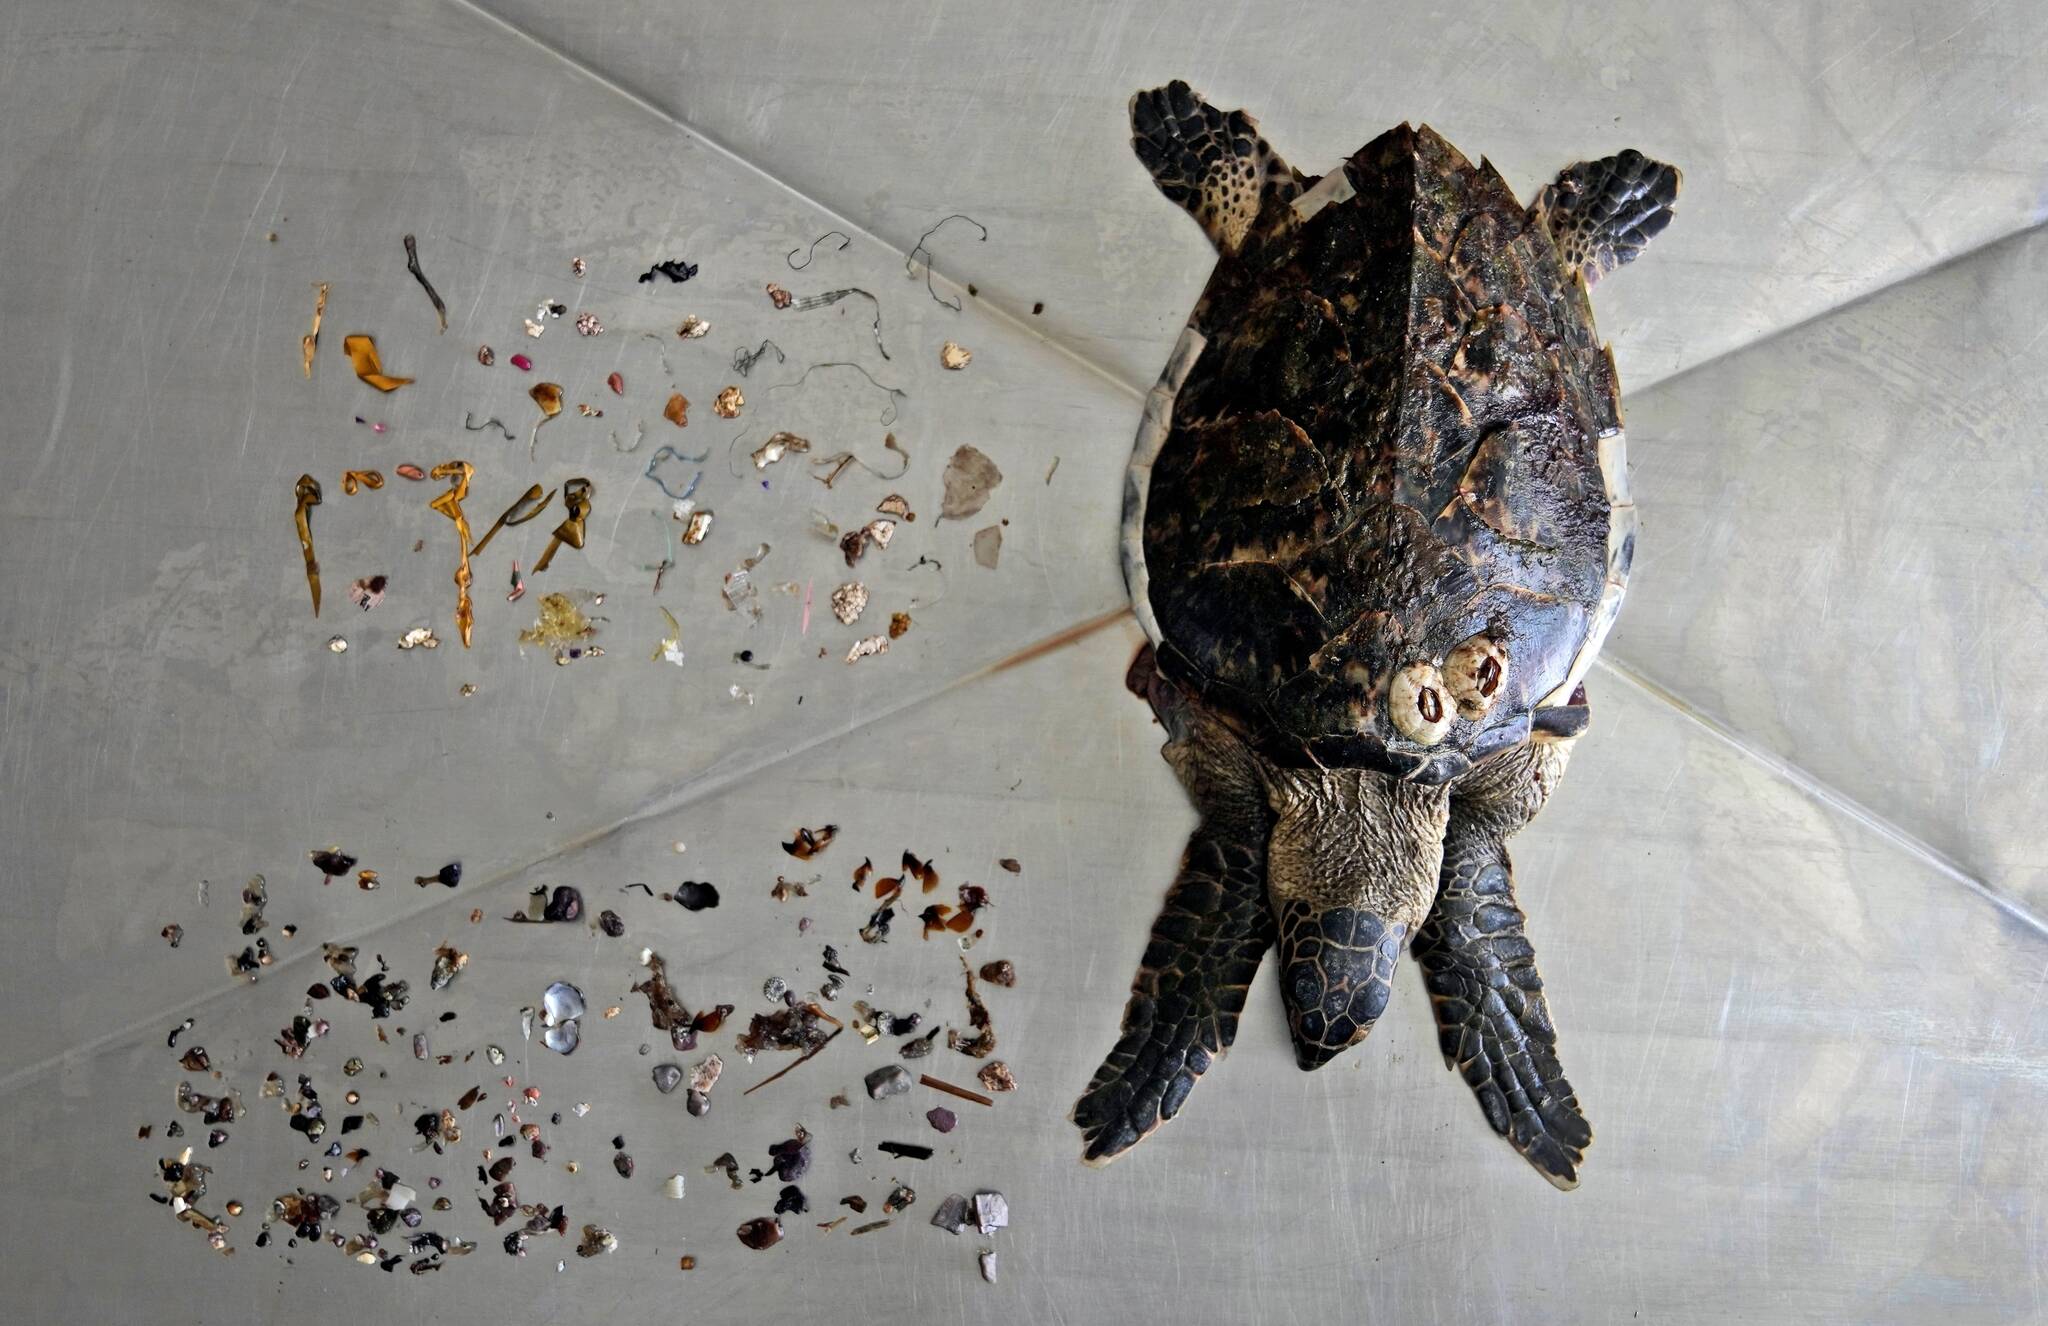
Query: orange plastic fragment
[(362, 352)]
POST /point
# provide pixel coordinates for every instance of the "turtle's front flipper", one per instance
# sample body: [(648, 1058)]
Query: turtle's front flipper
[(1212, 163), (1206, 944), (1492, 1021), (1602, 213)]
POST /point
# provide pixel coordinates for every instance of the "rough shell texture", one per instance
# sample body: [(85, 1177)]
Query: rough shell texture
[(1392, 441)]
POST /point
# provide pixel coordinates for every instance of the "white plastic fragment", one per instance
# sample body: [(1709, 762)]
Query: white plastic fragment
[(988, 1265), (874, 644), (991, 1211), (673, 1188)]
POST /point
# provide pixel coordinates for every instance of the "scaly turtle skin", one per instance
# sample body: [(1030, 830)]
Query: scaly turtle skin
[(1377, 527)]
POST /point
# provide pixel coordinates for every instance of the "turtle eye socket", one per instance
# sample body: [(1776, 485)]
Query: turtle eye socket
[(1418, 705), (1474, 673)]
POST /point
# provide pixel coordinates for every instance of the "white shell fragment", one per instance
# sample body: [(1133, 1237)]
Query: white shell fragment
[(562, 1003), (1474, 673), (1417, 704), (848, 600), (563, 1039)]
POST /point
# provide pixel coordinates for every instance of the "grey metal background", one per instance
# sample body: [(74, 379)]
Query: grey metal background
[(1788, 902)]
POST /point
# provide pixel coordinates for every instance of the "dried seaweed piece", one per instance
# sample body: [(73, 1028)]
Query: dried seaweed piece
[(955, 356), (788, 1160), (795, 266), (677, 411), (525, 507), (791, 1201), (675, 269), (307, 492), (904, 1151), (449, 504), (969, 478), (743, 359), (983, 1043), (562, 627), (792, 1027), (412, 264), (988, 546), (761, 1233), (667, 1012), (576, 497), (728, 403), (910, 259), (362, 353), (695, 896), (807, 843), (548, 396), (924, 872)]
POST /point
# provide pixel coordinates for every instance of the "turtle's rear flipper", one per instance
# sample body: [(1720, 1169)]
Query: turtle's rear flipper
[(1602, 213), (1205, 946), (1212, 163), (1492, 1021)]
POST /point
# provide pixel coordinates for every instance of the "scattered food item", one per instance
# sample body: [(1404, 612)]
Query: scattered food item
[(955, 356), (728, 403), (362, 353), (848, 600), (969, 478), (675, 269), (874, 644), (412, 264), (988, 546)]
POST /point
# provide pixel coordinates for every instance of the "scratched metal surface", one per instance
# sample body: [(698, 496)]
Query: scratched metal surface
[(1785, 902)]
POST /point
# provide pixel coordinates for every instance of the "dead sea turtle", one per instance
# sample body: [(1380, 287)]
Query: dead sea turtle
[(1376, 529)]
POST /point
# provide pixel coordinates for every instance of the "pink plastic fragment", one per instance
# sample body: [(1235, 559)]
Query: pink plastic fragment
[(522, 363)]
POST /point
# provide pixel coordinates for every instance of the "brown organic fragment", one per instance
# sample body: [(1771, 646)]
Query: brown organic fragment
[(362, 353), (983, 1042), (677, 411), (807, 843), (311, 340)]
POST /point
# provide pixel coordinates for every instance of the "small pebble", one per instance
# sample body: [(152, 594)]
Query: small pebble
[(667, 1077), (887, 1081), (942, 1118)]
